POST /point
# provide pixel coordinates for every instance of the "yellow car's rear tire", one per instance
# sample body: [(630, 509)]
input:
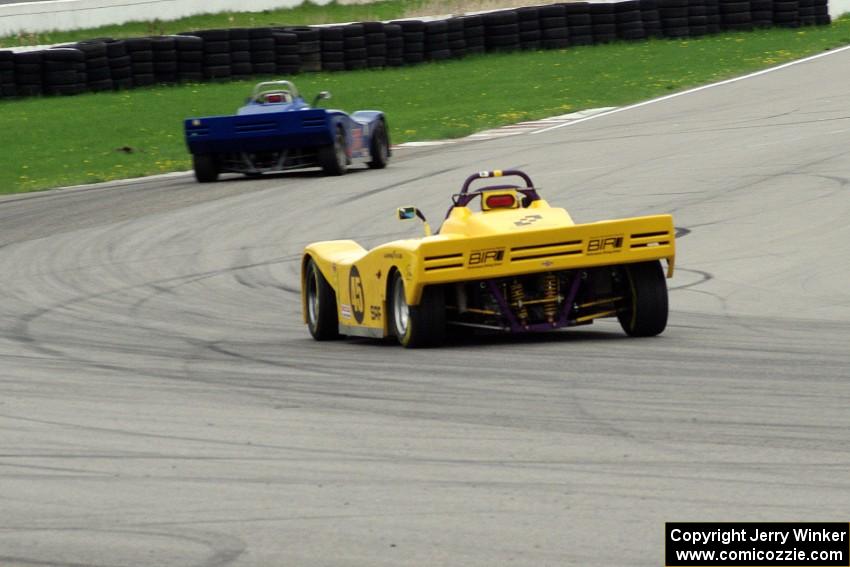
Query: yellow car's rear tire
[(416, 326), (645, 291), (322, 317)]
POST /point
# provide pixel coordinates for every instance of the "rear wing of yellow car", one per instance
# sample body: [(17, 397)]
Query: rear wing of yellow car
[(603, 243)]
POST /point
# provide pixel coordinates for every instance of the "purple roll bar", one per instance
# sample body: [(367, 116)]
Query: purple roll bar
[(463, 198)]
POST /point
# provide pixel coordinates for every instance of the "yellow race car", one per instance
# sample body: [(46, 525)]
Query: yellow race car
[(516, 265)]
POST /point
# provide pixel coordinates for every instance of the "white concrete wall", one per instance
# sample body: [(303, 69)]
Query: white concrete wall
[(838, 7), (77, 14)]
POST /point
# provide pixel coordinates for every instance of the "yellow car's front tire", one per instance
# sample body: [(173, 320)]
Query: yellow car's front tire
[(415, 326), (322, 318)]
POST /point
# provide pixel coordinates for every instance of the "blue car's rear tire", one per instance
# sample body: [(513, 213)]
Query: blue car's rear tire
[(379, 147), (206, 167), (334, 158)]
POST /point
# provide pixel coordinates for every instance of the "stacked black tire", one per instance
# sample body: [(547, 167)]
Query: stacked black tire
[(807, 12), (309, 48), (354, 47), (786, 13), (629, 21), (554, 31), (333, 48), (140, 52), (287, 60), (437, 41), (395, 45), (456, 37), (8, 86), (164, 50), (216, 59), (240, 53), (651, 18), (263, 51), (736, 15), (697, 18), (604, 22), (579, 23), (820, 9), (528, 19), (413, 35), (98, 73), (376, 44), (761, 13), (190, 58), (120, 65), (28, 73), (64, 71), (473, 34), (501, 30), (675, 17), (713, 19)]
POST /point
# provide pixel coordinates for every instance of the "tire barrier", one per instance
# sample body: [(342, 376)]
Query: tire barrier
[(528, 20), (413, 40), (104, 64), (437, 40), (376, 44), (354, 47), (473, 33)]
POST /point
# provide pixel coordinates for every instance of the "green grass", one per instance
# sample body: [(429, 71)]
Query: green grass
[(62, 141), (306, 13)]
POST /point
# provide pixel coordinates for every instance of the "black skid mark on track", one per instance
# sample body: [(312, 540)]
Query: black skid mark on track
[(20, 331), (704, 277), (395, 185), (223, 548)]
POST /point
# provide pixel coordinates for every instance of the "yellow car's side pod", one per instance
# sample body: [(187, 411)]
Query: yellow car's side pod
[(516, 265)]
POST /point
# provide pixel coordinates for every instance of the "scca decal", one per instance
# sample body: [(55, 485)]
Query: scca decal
[(605, 244), (355, 294), (490, 257)]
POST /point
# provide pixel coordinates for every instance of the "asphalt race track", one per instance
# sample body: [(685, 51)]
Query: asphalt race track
[(161, 402)]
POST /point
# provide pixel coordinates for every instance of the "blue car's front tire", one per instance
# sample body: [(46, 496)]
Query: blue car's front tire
[(379, 147), (206, 167)]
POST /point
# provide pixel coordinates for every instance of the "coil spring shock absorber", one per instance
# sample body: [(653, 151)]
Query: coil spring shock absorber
[(517, 296), (550, 293)]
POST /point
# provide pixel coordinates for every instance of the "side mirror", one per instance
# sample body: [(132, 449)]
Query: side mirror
[(407, 213), (323, 95)]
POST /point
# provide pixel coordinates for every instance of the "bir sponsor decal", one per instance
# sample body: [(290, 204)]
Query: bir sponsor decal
[(605, 244), (486, 258)]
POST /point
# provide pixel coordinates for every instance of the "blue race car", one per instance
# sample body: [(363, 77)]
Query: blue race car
[(276, 131)]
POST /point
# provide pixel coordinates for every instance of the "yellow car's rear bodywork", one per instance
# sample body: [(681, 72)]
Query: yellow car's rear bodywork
[(485, 245)]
